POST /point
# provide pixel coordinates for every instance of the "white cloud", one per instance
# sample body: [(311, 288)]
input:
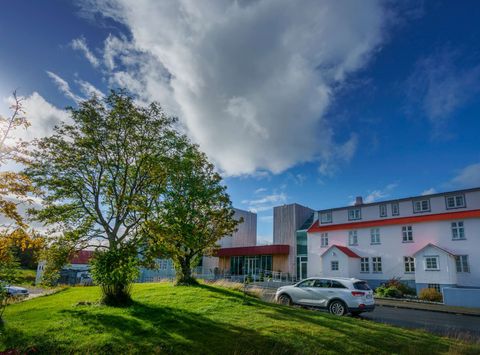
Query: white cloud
[(375, 195), (260, 190), (80, 44), (338, 155), (89, 89), (63, 86), (439, 86), (266, 202), (251, 80), (468, 176), (429, 191)]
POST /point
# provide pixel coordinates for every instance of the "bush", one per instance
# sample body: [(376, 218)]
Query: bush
[(115, 270), (430, 294), (401, 286), (380, 291), (392, 291)]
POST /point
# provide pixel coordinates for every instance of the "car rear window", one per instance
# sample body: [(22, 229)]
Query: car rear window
[(361, 285)]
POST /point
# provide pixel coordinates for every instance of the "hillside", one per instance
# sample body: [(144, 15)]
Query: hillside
[(204, 319)]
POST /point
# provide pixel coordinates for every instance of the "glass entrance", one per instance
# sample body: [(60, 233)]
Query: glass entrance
[(251, 265), (302, 267)]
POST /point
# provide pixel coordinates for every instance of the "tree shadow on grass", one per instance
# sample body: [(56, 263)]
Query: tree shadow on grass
[(369, 335)]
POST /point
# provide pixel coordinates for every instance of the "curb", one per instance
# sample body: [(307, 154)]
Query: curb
[(429, 310)]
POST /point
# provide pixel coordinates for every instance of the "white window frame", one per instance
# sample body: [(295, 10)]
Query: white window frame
[(407, 234), (336, 263), (456, 203), (461, 263), (435, 287), (409, 264), (354, 214), (365, 265), (395, 209), (421, 206), (375, 236), (458, 230), (326, 217), (324, 240), (383, 210), (353, 237), (377, 264), (437, 262)]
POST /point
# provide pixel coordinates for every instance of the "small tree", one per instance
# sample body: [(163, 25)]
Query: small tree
[(100, 177), (195, 213)]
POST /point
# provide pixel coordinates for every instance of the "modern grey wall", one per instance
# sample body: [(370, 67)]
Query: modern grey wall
[(246, 235), (286, 220)]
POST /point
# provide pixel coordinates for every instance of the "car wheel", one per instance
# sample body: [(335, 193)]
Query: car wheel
[(285, 300), (337, 308)]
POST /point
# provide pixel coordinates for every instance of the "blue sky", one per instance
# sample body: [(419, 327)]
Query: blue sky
[(313, 104)]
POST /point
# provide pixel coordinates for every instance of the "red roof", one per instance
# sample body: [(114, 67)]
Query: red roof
[(316, 227), (348, 252), (255, 250), (82, 257)]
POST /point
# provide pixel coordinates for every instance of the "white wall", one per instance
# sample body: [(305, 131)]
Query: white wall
[(446, 275), (392, 249), (332, 255)]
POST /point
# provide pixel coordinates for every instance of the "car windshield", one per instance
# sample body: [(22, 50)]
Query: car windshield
[(361, 285)]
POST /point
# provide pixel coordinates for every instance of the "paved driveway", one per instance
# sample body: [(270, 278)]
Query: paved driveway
[(454, 325)]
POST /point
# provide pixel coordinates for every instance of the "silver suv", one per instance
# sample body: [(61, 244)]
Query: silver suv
[(338, 295)]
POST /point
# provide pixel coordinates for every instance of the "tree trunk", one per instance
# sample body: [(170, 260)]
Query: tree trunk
[(184, 272)]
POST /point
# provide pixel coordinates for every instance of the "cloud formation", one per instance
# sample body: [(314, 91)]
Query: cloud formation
[(468, 176), (251, 80), (63, 86), (80, 44)]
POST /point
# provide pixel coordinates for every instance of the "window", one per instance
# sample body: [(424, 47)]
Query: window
[(324, 240), (421, 206), (395, 209), (326, 217), (361, 285), (462, 263), (383, 210), (409, 263), (334, 265), (431, 263), (455, 201), (375, 236), (307, 283), (354, 213), (364, 265), (458, 232), (434, 286), (322, 283), (336, 284), (377, 264), (352, 238), (407, 234)]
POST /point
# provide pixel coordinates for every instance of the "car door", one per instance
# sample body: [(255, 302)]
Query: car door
[(303, 293), (321, 288), (336, 290)]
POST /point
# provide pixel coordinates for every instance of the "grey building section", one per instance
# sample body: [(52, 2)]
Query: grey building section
[(287, 219), (246, 234)]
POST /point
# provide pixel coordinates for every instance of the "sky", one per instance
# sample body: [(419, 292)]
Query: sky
[(312, 102)]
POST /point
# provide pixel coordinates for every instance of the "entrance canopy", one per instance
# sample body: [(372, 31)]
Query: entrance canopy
[(277, 249)]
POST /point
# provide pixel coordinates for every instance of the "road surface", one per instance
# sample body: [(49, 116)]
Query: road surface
[(447, 324)]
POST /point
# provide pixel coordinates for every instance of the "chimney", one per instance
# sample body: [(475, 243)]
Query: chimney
[(358, 201)]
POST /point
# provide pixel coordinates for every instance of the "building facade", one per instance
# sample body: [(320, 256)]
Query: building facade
[(426, 241)]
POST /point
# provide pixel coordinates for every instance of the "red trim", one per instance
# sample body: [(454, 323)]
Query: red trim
[(348, 252), (391, 221), (82, 257), (255, 250)]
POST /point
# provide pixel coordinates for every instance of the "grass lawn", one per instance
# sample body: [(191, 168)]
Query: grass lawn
[(25, 277), (204, 319)]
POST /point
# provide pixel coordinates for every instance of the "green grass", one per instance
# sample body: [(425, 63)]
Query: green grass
[(203, 319), (25, 277)]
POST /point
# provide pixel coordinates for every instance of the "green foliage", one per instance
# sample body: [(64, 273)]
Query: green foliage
[(400, 286), (430, 294), (201, 320), (195, 212), (102, 175), (55, 257), (115, 270)]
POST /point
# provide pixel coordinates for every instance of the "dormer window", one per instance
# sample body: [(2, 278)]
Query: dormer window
[(420, 206), (455, 201), (354, 214), (326, 217), (383, 210)]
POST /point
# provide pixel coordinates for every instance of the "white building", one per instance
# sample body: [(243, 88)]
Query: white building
[(427, 241)]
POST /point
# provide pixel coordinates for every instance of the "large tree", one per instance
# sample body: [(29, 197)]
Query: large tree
[(195, 213), (101, 175)]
